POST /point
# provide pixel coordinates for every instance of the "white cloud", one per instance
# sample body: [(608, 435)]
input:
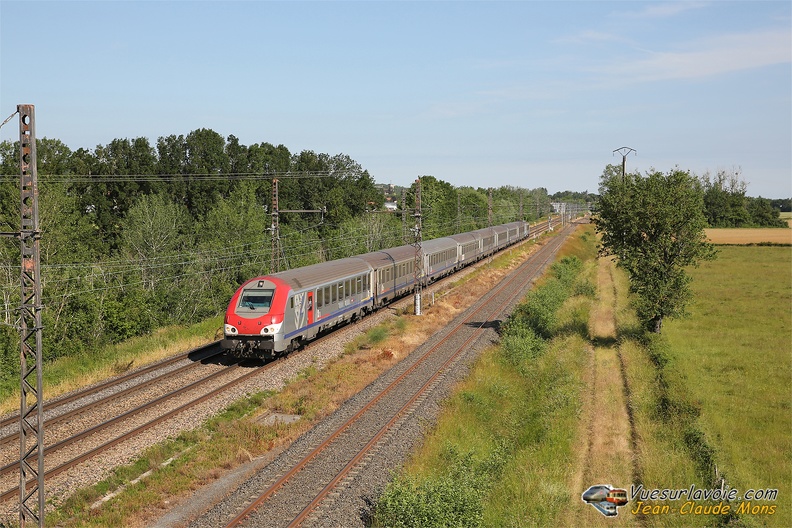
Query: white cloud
[(663, 9), (713, 56)]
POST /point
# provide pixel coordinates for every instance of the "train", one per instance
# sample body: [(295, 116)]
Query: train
[(275, 314)]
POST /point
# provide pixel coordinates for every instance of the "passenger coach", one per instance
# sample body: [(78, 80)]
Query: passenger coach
[(275, 314)]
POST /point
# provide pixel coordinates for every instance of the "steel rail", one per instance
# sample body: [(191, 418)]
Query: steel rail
[(53, 404), (86, 408), (123, 416), (148, 425)]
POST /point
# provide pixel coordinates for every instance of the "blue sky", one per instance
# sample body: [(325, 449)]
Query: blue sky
[(523, 93)]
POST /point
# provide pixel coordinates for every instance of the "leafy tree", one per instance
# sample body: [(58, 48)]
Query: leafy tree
[(206, 158), (654, 225), (155, 230), (783, 205), (762, 213), (438, 206), (473, 210), (724, 199)]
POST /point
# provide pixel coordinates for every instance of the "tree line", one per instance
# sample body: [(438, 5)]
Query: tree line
[(136, 236), (726, 203)]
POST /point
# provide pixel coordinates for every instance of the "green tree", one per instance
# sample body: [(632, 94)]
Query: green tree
[(724, 199), (156, 230), (654, 225), (763, 214), (438, 206)]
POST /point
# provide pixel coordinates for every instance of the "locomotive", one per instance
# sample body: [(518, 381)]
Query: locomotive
[(275, 314)]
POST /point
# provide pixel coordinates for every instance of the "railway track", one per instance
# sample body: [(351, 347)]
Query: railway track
[(303, 486), (75, 442), (75, 434)]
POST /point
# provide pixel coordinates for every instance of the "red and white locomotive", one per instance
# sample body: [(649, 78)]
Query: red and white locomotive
[(275, 314)]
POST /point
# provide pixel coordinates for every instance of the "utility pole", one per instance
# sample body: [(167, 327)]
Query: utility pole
[(624, 151), (459, 212), (489, 208), (404, 216), (418, 262), (277, 250), (521, 206), (275, 230), (31, 405)]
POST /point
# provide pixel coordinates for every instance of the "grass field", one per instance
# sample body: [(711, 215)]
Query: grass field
[(735, 356)]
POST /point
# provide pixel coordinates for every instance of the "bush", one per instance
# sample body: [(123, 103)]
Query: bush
[(519, 342), (453, 499)]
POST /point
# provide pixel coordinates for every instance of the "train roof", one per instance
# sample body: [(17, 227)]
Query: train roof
[(324, 272), (438, 244), (464, 238), (378, 259)]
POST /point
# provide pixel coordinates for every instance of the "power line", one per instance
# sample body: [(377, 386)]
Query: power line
[(144, 178)]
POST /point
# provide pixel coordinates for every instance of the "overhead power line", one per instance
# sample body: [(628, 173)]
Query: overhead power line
[(140, 178)]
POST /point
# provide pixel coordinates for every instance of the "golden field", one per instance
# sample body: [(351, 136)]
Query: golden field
[(749, 235)]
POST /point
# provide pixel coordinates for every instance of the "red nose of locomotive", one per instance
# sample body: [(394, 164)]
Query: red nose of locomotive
[(256, 309)]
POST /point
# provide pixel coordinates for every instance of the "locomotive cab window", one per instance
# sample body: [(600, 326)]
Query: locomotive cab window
[(256, 300)]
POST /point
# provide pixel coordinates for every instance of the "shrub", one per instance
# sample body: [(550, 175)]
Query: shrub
[(452, 499)]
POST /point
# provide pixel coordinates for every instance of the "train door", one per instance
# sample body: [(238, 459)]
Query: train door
[(310, 308)]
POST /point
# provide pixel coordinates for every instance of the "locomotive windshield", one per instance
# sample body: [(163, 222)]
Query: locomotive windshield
[(258, 300)]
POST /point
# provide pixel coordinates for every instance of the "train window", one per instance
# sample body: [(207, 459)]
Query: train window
[(348, 288), (359, 285), (319, 298), (255, 299), (340, 291), (334, 292), (291, 300), (327, 295)]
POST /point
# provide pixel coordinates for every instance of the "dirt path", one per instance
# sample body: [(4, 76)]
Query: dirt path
[(605, 446)]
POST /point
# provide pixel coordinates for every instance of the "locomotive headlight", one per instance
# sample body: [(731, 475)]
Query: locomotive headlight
[(271, 329), (230, 330)]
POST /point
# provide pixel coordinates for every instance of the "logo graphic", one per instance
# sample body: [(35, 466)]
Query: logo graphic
[(605, 498)]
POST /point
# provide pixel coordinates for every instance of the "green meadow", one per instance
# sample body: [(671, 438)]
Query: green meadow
[(734, 355)]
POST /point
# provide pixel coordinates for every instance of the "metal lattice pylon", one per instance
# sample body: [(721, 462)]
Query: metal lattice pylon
[(31, 405), (418, 272)]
